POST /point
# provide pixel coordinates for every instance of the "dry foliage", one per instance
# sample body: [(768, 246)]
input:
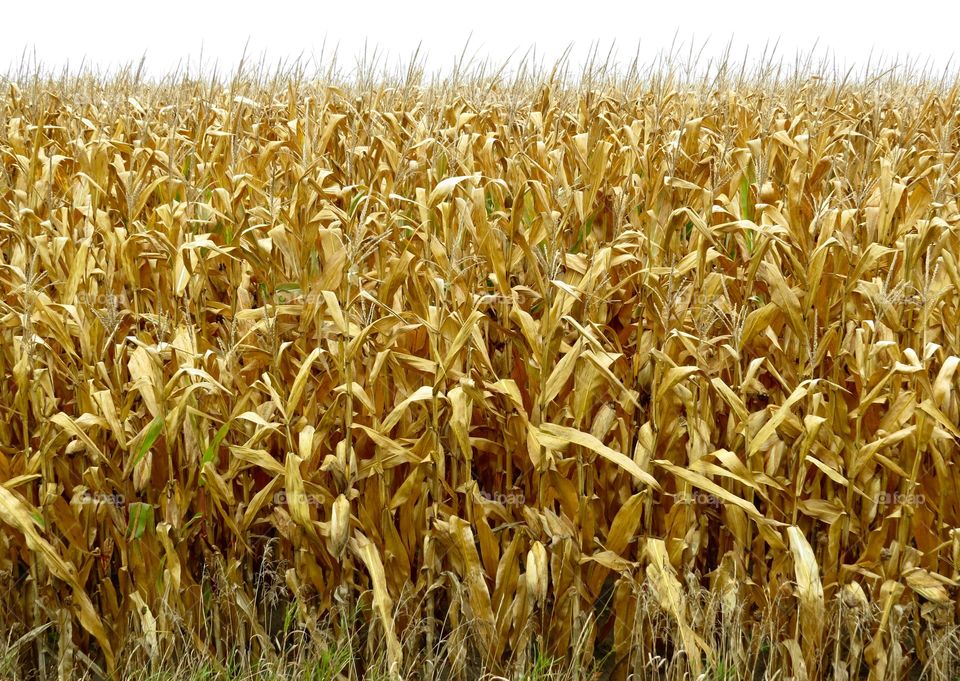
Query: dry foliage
[(644, 375)]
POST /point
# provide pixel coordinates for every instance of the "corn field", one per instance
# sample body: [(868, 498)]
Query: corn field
[(646, 376)]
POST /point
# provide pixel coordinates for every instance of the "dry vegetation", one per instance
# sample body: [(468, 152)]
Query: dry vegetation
[(649, 375)]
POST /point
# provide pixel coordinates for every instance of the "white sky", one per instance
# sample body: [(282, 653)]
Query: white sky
[(106, 33)]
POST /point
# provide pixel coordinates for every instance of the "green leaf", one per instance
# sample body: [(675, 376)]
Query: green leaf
[(153, 432), (529, 209), (355, 201), (583, 233), (746, 210), (38, 519), (211, 451), (140, 520), (746, 207), (195, 518), (442, 164)]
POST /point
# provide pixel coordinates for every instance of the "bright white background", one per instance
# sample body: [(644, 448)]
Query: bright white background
[(104, 34)]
